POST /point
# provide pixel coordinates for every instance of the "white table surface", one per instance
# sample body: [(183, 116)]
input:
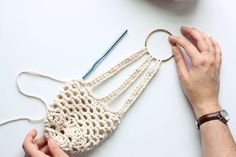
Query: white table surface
[(63, 38)]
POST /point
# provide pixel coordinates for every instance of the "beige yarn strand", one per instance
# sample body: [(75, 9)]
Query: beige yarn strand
[(31, 96), (140, 87), (129, 80), (115, 69)]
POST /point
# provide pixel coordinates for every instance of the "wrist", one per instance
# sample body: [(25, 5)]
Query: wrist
[(206, 108)]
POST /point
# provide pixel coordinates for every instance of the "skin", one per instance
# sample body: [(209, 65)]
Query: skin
[(41, 147), (200, 83)]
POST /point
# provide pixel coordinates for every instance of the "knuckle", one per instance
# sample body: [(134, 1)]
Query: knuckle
[(211, 61), (212, 45), (196, 61), (207, 61), (202, 61)]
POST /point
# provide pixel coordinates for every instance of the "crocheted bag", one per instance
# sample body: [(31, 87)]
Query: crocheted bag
[(78, 119)]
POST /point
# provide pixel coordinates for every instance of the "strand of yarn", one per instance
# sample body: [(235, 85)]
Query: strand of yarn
[(31, 96), (115, 69), (39, 75), (139, 88), (128, 81)]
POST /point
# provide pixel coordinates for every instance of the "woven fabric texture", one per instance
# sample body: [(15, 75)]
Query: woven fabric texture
[(79, 120)]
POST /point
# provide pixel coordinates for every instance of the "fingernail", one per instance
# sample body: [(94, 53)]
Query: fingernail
[(33, 131)]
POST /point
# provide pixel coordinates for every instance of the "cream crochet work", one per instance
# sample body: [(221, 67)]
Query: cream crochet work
[(79, 120)]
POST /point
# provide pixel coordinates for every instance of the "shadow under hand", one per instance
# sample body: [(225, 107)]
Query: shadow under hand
[(179, 7)]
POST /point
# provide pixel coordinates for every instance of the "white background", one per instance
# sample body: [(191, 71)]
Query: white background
[(64, 37)]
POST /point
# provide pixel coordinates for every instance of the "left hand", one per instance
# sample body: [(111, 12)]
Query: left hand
[(41, 147)]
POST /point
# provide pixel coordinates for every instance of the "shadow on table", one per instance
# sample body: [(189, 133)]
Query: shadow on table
[(177, 7)]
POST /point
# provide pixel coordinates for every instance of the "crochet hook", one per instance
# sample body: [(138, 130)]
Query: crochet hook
[(97, 62)]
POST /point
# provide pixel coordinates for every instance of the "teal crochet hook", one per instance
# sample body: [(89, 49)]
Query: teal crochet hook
[(97, 62)]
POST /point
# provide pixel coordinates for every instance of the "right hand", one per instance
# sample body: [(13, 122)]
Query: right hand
[(41, 147), (200, 81)]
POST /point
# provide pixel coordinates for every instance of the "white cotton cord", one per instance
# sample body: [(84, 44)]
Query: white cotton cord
[(20, 119), (131, 79), (35, 74), (140, 87), (31, 96), (115, 69)]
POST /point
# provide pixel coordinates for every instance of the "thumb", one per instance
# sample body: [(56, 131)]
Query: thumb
[(180, 62), (55, 150)]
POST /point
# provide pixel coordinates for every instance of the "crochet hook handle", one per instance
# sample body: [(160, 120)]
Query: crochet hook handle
[(95, 65)]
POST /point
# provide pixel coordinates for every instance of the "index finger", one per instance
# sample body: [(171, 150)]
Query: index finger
[(28, 145), (189, 48)]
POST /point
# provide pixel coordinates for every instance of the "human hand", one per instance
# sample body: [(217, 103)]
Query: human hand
[(200, 81), (41, 147)]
